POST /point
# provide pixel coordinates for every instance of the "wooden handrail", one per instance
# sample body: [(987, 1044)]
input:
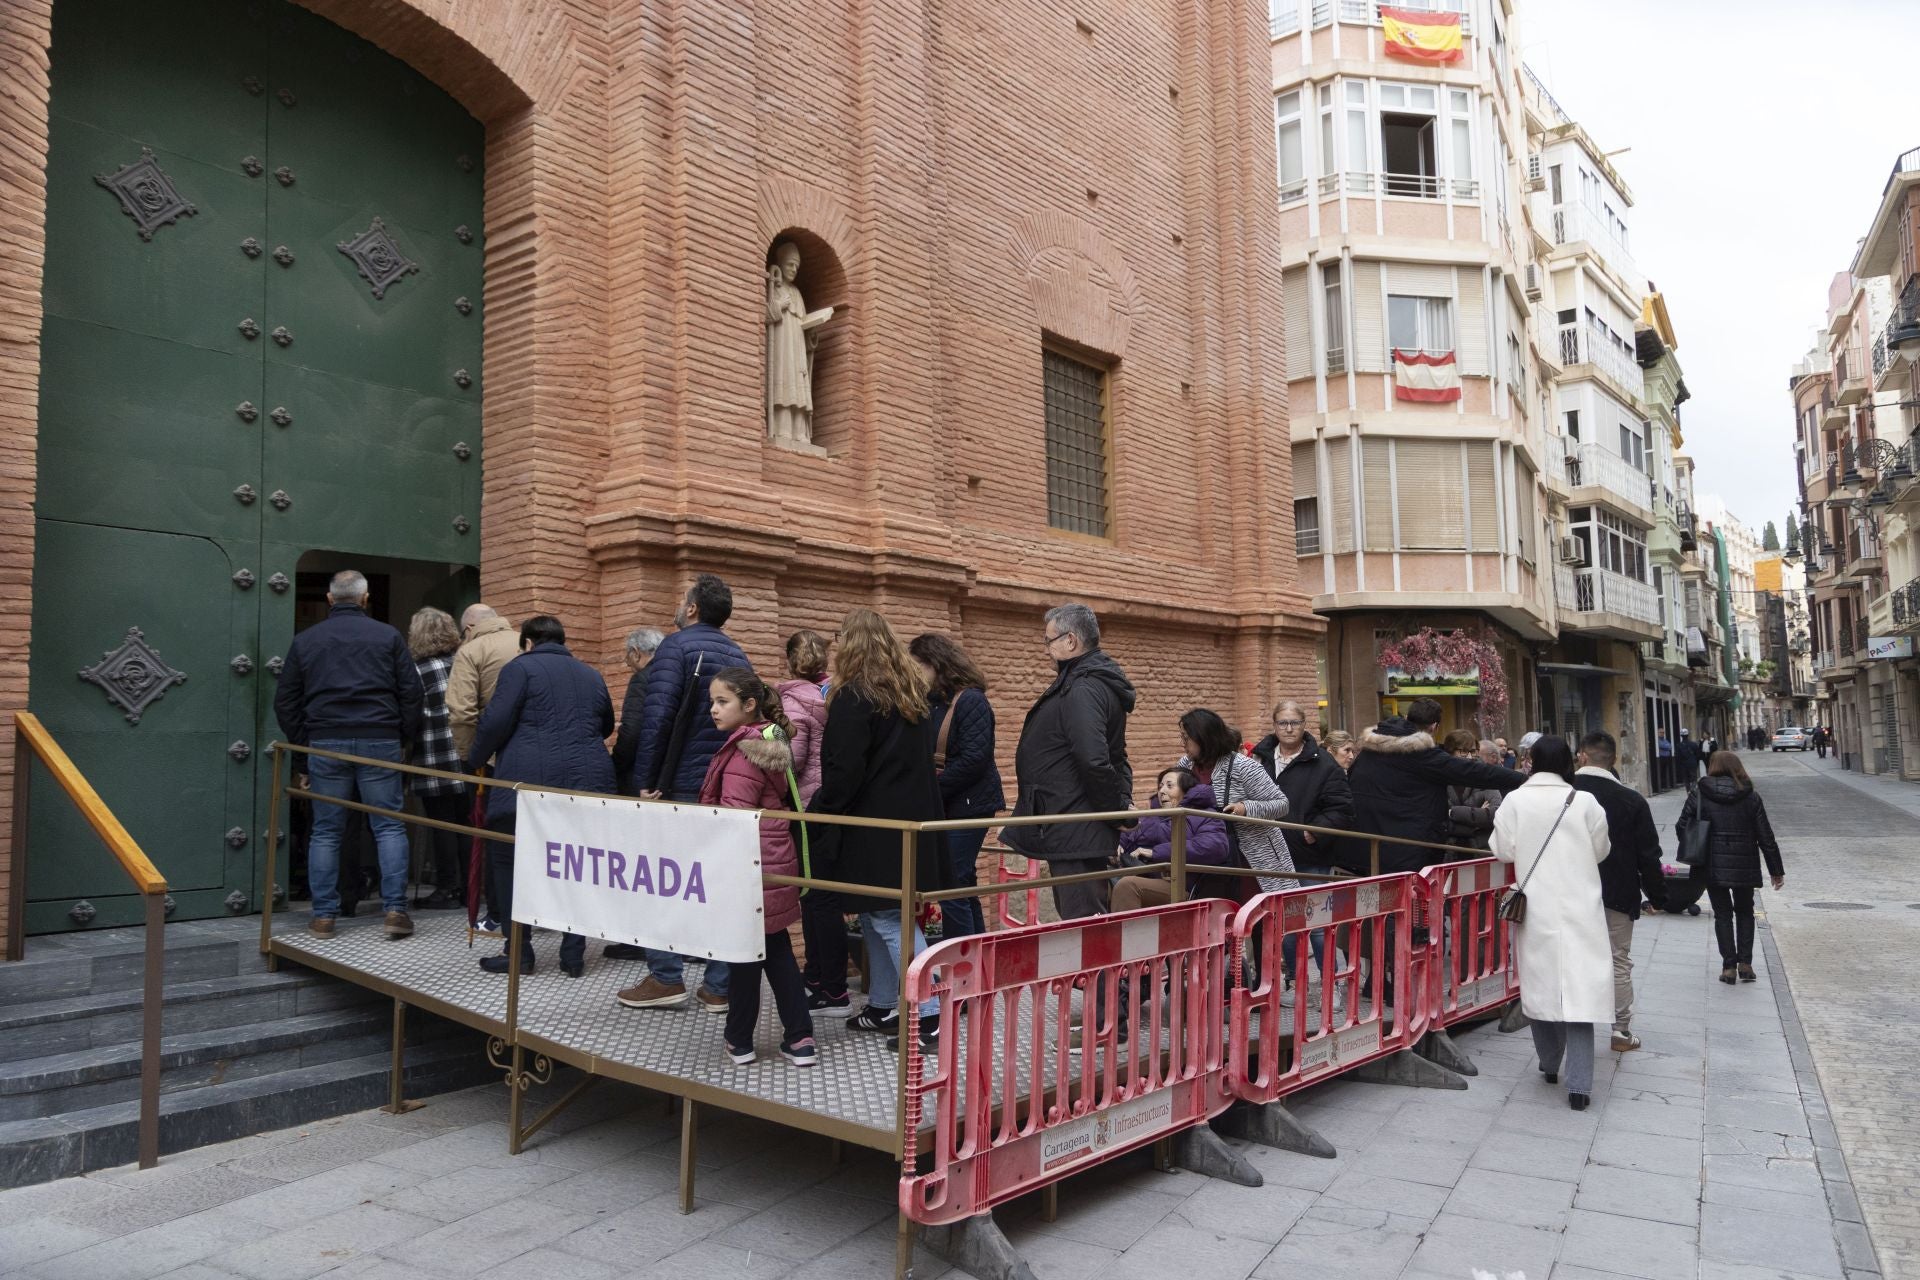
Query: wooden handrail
[(125, 849)]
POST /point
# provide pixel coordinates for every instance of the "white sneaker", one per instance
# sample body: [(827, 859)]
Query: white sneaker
[(488, 926)]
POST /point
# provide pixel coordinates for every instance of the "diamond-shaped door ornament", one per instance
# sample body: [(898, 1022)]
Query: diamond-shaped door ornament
[(377, 256), (133, 676), (146, 194)]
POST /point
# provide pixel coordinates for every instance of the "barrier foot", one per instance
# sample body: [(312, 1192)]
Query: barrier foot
[(1407, 1068), (1271, 1125), (978, 1247), (1204, 1151), (1438, 1047), (1514, 1020)]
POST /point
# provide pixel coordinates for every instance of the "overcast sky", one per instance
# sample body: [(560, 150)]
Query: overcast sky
[(1761, 135)]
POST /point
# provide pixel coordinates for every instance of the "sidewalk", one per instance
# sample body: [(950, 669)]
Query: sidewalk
[(1700, 1158)]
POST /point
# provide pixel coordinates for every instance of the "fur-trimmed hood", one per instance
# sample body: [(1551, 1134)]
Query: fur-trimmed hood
[(774, 754), (1396, 736)]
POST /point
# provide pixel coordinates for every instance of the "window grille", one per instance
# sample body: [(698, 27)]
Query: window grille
[(1076, 395)]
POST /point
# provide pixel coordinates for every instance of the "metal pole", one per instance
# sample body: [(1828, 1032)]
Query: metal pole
[(273, 848), (1177, 861), (150, 998), (1373, 856), (909, 1142), (689, 1144), (17, 845), (397, 1104), (515, 1093)]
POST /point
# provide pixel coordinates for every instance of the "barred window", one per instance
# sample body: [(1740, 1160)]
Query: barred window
[(1306, 526), (1076, 445)]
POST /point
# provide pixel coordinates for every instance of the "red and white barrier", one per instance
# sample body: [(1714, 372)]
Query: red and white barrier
[(1278, 1047), (1474, 964), (1003, 874), (1014, 1105)]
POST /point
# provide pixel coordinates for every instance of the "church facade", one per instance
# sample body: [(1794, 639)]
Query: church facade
[(484, 299)]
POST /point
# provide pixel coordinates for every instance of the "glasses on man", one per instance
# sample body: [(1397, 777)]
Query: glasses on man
[(1289, 724), (1055, 639)]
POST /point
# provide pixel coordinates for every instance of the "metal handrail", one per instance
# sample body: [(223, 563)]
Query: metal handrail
[(31, 741)]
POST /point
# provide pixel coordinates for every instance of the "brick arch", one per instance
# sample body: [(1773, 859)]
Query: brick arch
[(787, 204), (1078, 281)]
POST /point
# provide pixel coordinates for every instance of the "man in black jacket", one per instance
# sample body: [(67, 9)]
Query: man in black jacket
[(1400, 783), (1316, 786), (1631, 867), (1072, 758), (1686, 760), (349, 685)]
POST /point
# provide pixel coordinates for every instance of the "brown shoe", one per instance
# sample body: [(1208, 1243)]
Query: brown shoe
[(399, 924), (320, 926), (1625, 1042), (710, 1000), (653, 994)]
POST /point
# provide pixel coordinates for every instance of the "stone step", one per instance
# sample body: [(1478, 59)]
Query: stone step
[(59, 1083), (43, 1148), (62, 966), (96, 1020)]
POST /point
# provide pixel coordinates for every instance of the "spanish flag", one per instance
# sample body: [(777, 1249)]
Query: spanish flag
[(1421, 36)]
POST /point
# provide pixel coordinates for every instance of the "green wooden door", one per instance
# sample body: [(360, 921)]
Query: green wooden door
[(261, 340)]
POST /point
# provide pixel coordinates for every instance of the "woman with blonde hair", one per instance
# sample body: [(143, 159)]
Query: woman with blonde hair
[(432, 637), (876, 761)]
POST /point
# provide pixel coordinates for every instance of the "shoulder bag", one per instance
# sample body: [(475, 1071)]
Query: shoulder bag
[(1695, 839), (1513, 907), (946, 727)]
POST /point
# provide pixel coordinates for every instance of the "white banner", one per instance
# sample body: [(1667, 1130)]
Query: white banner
[(675, 877)]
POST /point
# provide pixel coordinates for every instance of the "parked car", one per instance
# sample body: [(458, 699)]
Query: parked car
[(1790, 738)]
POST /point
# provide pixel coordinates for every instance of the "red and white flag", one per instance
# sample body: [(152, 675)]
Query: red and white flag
[(1424, 377)]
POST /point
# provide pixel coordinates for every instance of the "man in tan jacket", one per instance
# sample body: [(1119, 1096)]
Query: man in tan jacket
[(488, 644)]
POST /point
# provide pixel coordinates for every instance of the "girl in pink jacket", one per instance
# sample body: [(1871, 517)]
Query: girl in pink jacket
[(753, 769)]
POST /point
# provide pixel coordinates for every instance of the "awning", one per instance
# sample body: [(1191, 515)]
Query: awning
[(1578, 669)]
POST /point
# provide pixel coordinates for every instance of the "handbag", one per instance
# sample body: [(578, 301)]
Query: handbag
[(946, 727), (1694, 840), (1513, 907)]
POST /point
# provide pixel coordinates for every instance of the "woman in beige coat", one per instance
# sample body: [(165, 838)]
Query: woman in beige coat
[(1556, 838)]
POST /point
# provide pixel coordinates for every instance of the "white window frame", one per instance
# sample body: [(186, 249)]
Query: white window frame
[(1433, 324), (1335, 316), (1288, 122)]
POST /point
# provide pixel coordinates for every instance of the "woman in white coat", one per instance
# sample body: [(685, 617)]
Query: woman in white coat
[(1556, 838)]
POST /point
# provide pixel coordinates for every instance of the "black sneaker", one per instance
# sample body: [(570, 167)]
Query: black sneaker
[(828, 1006), (872, 1019), (929, 1034)]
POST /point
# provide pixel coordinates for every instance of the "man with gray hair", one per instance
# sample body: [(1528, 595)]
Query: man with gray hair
[(349, 686), (1072, 758), (642, 644)]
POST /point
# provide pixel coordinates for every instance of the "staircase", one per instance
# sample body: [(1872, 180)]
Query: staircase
[(243, 1050)]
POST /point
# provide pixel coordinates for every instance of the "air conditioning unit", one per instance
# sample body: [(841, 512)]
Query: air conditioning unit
[(1533, 283), (1536, 174), (1572, 551)]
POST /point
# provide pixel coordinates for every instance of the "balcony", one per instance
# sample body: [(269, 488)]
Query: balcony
[(1851, 375), (1575, 224), (1367, 12), (1898, 345), (1593, 473), (1594, 346), (1596, 602), (1408, 186)]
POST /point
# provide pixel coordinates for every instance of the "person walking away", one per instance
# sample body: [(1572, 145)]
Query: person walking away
[(1662, 762), (433, 638), (1151, 842), (548, 724), (642, 644), (1686, 760), (675, 741), (488, 643), (1469, 809), (1738, 836), (753, 769), (876, 761), (349, 685), (1632, 868), (1072, 758), (1555, 835), (1400, 783), (963, 758), (823, 915)]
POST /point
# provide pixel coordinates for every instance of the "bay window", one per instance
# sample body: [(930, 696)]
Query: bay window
[(1420, 324)]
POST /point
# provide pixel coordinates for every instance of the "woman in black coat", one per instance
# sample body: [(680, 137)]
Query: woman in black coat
[(876, 761), (1738, 835), (963, 757)]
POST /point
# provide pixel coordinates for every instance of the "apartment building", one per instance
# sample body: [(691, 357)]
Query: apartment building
[(1786, 637), (1421, 403), (1666, 679), (1744, 649)]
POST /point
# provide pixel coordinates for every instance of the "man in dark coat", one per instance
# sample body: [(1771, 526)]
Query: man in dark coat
[(1400, 783), (1631, 868), (1316, 787), (349, 685), (1072, 758), (547, 723), (674, 742), (1686, 760)]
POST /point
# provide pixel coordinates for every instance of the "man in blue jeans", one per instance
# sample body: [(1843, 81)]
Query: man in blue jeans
[(349, 685)]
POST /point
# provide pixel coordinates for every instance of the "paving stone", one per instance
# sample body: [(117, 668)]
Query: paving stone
[(72, 1198), (36, 1239), (324, 1193), (1630, 1246), (807, 1224), (1757, 1238), (1797, 1177), (1651, 1152), (1642, 1114), (1429, 1160), (1510, 1198), (1509, 1151), (615, 1188), (1255, 1213), (1098, 1216), (1359, 1190), (1784, 1203), (1770, 1112), (1171, 1248), (321, 1148), (871, 1253), (321, 1244), (470, 1191), (1353, 1244), (703, 1261), (485, 1240), (142, 1255), (1635, 1193), (640, 1236), (1457, 1244)]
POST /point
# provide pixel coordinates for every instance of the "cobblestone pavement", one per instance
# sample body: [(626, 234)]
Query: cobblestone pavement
[(1706, 1156), (1847, 927)]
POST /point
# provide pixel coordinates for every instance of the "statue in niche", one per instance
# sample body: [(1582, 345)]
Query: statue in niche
[(792, 334)]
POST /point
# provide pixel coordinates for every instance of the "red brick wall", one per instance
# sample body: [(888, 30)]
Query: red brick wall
[(973, 179)]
